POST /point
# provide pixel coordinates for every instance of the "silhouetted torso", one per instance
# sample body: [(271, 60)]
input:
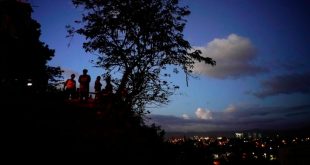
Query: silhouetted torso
[(84, 81), (98, 86), (70, 87)]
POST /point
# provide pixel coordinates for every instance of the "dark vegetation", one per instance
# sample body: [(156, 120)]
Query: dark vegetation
[(50, 125)]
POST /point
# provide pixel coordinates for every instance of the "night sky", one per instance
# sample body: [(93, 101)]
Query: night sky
[(262, 76)]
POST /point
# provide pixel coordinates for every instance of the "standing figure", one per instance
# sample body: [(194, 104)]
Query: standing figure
[(84, 81), (70, 87), (108, 94), (97, 87), (108, 90)]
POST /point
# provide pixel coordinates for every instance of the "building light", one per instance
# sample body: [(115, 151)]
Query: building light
[(273, 157), (239, 135), (244, 155), (215, 156), (265, 155), (29, 82), (216, 162)]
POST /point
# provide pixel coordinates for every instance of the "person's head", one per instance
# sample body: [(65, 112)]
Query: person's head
[(85, 71), (98, 77), (72, 76)]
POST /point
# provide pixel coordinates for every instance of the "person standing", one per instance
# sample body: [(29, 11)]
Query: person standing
[(108, 90), (98, 86), (84, 81), (70, 87), (108, 97)]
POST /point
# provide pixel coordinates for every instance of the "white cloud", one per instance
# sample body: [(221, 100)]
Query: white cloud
[(185, 116), (231, 108), (203, 114), (233, 56)]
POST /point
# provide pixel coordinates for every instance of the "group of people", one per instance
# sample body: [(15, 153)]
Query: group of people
[(83, 90)]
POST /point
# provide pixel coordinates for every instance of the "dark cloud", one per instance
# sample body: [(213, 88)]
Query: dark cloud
[(285, 84), (233, 55), (241, 118)]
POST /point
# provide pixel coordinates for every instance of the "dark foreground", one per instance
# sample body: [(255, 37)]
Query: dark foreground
[(50, 126)]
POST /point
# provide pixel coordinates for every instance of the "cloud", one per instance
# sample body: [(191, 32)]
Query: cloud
[(203, 114), (233, 56), (185, 116), (284, 84), (231, 108), (242, 118)]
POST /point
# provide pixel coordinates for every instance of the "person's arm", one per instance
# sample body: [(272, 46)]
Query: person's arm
[(74, 84), (65, 85)]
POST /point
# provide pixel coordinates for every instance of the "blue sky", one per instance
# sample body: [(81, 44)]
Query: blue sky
[(262, 75)]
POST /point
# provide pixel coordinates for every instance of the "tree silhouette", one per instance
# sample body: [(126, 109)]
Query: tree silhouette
[(141, 41), (23, 56)]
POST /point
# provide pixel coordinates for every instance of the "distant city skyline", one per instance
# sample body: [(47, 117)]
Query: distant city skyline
[(262, 75)]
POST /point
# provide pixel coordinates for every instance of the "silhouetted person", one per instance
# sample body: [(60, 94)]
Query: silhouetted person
[(108, 90), (97, 87), (70, 87), (84, 81), (107, 93)]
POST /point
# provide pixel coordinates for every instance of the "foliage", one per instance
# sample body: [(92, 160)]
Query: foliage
[(140, 41), (54, 76), (23, 56)]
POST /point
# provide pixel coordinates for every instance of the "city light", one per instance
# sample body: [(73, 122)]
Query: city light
[(226, 150), (29, 82)]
